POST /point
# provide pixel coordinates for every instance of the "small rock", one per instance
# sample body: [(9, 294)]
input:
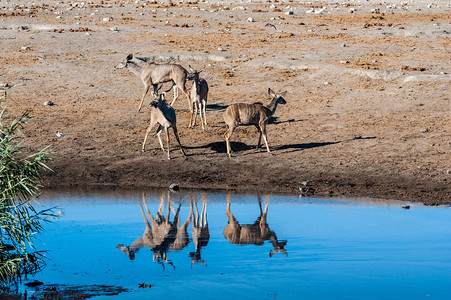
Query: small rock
[(250, 19), (448, 171), (424, 130), (327, 83), (344, 45), (106, 20), (174, 187), (59, 134), (406, 207), (49, 103), (115, 29), (221, 49), (25, 48), (289, 13), (344, 61)]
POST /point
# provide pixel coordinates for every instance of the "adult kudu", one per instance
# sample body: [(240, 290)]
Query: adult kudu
[(251, 114), (152, 74)]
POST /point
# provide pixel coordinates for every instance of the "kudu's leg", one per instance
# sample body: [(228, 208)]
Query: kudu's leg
[(159, 131), (263, 129), (178, 140), (167, 139), (204, 107), (190, 125), (146, 90), (227, 135), (259, 137), (176, 94), (196, 106), (151, 125), (200, 114)]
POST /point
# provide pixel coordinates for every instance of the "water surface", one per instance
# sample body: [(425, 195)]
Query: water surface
[(297, 248)]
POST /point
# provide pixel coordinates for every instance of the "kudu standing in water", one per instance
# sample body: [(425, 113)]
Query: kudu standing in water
[(256, 233), (200, 232), (161, 235), (164, 116), (153, 74), (251, 114), (199, 95)]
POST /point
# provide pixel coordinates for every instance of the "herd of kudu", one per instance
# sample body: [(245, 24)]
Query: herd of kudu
[(163, 235), (155, 75)]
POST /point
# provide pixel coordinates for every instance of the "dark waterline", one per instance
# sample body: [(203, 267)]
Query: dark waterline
[(350, 249)]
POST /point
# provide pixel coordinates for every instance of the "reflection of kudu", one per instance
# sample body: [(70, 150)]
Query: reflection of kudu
[(160, 235), (200, 232), (256, 233)]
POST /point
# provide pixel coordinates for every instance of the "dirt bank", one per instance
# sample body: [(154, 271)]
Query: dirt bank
[(368, 93)]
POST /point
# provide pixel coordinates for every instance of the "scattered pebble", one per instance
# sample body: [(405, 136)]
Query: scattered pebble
[(448, 171), (25, 48), (250, 19), (106, 20), (345, 61), (49, 103), (406, 206), (59, 134), (174, 187)]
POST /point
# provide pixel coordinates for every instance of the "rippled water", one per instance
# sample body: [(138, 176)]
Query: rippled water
[(262, 247)]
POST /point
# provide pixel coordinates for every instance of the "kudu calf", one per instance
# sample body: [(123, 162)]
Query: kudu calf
[(256, 233), (251, 114), (164, 116), (199, 95), (153, 74)]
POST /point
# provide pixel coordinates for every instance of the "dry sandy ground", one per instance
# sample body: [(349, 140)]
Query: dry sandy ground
[(368, 102)]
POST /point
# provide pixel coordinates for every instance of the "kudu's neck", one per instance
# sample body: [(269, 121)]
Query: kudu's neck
[(273, 105), (134, 68)]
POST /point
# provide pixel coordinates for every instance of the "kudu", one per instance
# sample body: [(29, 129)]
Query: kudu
[(153, 74), (164, 116), (251, 114), (199, 95), (161, 235), (200, 232), (256, 233)]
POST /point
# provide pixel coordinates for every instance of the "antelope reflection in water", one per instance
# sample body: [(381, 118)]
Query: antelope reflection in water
[(200, 232), (161, 235), (256, 233)]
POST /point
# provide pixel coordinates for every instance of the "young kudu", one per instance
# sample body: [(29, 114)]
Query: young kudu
[(199, 94), (256, 233), (164, 116), (153, 74), (251, 114)]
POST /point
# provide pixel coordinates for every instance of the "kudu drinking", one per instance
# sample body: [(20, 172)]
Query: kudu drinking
[(251, 114), (256, 233), (199, 95), (153, 74), (164, 116)]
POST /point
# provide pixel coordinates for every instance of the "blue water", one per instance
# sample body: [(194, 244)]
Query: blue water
[(335, 249)]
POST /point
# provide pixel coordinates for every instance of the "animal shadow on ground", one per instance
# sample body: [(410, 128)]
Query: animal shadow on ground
[(298, 147), (218, 107), (220, 147)]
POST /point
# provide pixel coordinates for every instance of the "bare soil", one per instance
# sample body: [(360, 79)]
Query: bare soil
[(368, 102)]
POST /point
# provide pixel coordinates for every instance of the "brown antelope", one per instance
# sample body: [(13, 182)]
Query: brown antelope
[(199, 94), (164, 116), (256, 233), (200, 232), (251, 114), (153, 74), (161, 235)]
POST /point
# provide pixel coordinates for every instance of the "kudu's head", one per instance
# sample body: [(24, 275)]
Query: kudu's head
[(125, 63), (194, 75), (278, 97)]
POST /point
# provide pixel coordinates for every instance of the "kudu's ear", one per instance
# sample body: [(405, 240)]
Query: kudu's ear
[(191, 68), (130, 57), (271, 93)]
